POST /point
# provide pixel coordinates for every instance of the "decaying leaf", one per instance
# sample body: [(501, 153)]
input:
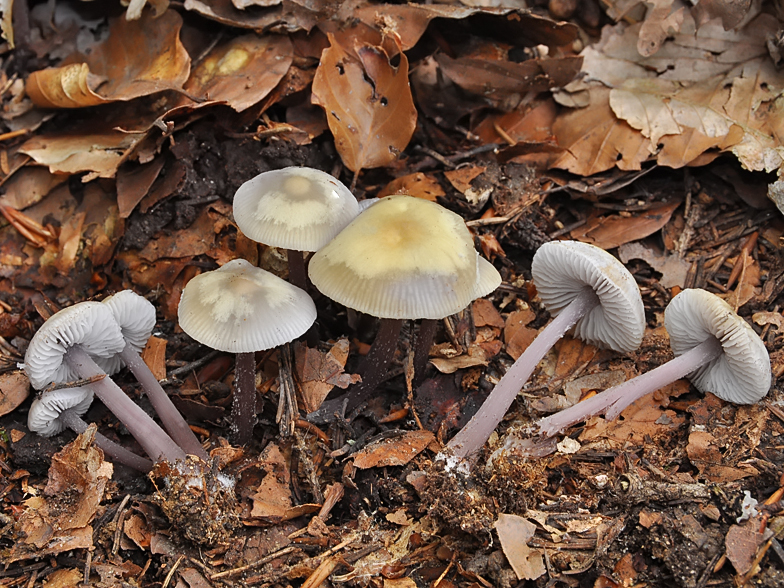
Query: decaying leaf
[(608, 232), (396, 451), (672, 268), (417, 184), (515, 532), (368, 102), (14, 389), (140, 57), (318, 373)]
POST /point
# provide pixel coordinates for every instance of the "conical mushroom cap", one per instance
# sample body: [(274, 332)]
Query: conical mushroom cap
[(295, 208), (742, 373), (240, 308), (562, 269), (404, 258)]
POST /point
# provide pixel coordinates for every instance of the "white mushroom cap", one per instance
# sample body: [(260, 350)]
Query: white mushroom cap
[(136, 317), (561, 269), (404, 258), (90, 325), (240, 308), (45, 411), (296, 208), (742, 373)]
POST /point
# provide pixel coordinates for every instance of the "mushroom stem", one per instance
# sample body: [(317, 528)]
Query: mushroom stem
[(154, 440), (376, 364), (243, 408), (171, 418), (424, 341), (298, 275), (614, 400), (474, 434), (119, 453)]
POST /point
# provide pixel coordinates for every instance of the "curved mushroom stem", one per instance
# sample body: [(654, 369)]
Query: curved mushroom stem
[(243, 408), (424, 341), (171, 418), (117, 452), (376, 364), (474, 434), (614, 400), (154, 440)]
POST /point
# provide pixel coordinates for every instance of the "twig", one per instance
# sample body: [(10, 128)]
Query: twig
[(118, 519), (171, 571), (255, 564)]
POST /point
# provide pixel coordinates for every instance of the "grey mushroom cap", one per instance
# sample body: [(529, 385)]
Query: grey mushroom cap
[(562, 269), (136, 317), (297, 208), (45, 411), (240, 308), (90, 325), (742, 373)]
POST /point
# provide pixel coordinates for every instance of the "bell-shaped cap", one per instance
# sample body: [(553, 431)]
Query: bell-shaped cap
[(297, 208), (90, 325), (136, 317), (742, 373), (45, 411), (404, 258), (240, 308), (562, 269)]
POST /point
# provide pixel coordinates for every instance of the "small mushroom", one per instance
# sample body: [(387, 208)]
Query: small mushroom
[(402, 258), (295, 208), (586, 289), (242, 309), (56, 410), (714, 347), (136, 317), (66, 347)]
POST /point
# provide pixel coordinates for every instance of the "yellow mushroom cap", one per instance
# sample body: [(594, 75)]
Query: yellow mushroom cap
[(240, 308), (404, 258), (297, 208)]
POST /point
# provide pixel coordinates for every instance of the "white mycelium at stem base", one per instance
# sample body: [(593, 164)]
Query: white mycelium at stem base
[(402, 258), (588, 290), (242, 309), (714, 347)]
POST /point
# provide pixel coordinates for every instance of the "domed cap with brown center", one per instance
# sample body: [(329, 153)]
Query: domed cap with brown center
[(240, 308), (742, 373), (295, 208), (404, 258), (562, 269), (45, 411)]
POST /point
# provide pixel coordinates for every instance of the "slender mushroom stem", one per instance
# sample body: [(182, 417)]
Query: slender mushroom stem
[(376, 364), (424, 341), (298, 275), (243, 408), (119, 453), (614, 400), (154, 440), (474, 434), (171, 418)]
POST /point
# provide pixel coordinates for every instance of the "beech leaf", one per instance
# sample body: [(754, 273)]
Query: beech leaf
[(368, 103)]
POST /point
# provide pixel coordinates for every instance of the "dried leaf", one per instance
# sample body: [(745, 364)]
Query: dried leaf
[(661, 21), (154, 355), (396, 451), (318, 373), (417, 184), (368, 102), (704, 454), (133, 184), (14, 390), (742, 543), (515, 532), (611, 231), (139, 58), (672, 267)]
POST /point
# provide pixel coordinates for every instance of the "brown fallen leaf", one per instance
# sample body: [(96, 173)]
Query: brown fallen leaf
[(134, 182), (14, 390), (368, 102), (318, 373), (395, 451), (514, 533), (608, 232), (418, 184), (461, 178), (517, 336), (64, 578), (742, 543), (473, 356), (672, 267), (138, 58), (154, 355), (704, 454)]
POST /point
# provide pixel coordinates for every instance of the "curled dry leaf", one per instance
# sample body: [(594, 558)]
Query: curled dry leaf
[(139, 58), (395, 451), (368, 102), (515, 532)]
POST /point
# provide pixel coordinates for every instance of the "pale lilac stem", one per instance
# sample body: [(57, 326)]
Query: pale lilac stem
[(614, 400), (115, 451), (478, 430), (154, 440), (243, 408), (171, 418)]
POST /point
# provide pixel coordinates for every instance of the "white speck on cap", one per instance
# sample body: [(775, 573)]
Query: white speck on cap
[(742, 373), (240, 308), (90, 325), (44, 415), (295, 208), (561, 269), (404, 258)]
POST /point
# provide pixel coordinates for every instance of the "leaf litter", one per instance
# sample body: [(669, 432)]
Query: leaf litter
[(124, 141)]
